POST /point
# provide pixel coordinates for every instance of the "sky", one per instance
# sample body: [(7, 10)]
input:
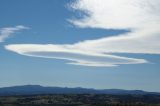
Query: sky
[(102, 44)]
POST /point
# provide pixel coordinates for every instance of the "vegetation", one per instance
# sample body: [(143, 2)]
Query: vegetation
[(81, 100)]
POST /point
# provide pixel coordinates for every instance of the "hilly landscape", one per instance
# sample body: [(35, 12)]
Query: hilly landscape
[(36, 95)]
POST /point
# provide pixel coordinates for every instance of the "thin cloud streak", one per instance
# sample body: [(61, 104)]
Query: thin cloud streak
[(8, 31)]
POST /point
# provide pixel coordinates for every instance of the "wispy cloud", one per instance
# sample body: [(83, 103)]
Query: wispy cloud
[(141, 17), (8, 31)]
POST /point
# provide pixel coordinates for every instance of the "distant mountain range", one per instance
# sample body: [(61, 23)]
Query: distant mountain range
[(37, 89)]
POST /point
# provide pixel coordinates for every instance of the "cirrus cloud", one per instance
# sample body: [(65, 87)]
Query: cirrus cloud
[(8, 31)]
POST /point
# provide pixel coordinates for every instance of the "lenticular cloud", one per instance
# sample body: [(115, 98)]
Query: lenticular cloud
[(141, 17)]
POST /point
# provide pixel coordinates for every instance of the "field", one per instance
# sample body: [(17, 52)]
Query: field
[(81, 100)]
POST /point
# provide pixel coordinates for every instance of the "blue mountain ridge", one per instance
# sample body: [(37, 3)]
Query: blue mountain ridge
[(37, 89)]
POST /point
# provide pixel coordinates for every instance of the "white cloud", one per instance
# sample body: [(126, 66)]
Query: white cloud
[(8, 31), (68, 52), (117, 14), (141, 17)]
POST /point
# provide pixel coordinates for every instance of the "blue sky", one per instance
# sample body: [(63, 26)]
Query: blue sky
[(53, 22)]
